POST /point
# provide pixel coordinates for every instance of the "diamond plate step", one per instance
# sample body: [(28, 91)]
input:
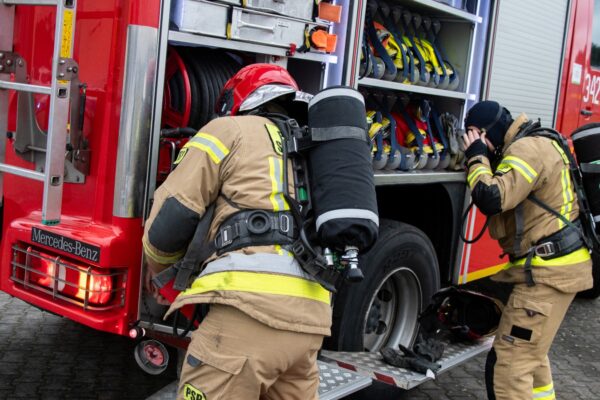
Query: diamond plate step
[(372, 365), (335, 383)]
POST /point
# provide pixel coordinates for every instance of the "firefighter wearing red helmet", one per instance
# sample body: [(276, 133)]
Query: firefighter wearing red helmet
[(267, 317), (519, 176)]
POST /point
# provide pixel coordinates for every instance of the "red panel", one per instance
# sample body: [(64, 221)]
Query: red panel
[(99, 49), (581, 94), (117, 251)]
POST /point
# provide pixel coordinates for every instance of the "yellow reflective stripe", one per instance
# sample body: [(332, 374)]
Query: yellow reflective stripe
[(209, 144), (568, 196), (282, 252), (576, 257), (276, 174), (482, 273), (477, 172), (521, 166), (241, 281), (159, 258), (561, 152), (544, 392), (546, 388)]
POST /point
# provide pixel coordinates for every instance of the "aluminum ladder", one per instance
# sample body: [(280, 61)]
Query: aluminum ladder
[(63, 71)]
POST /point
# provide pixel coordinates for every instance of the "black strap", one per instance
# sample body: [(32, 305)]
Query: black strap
[(198, 250), (552, 211), (528, 268), (464, 220), (255, 228)]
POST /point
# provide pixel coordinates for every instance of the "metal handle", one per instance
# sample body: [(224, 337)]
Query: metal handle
[(256, 26), (585, 112)]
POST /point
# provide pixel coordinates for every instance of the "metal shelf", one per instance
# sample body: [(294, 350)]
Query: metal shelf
[(383, 178), (446, 9), (381, 84), (191, 39)]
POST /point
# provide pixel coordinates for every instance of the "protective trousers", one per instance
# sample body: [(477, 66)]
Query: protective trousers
[(233, 356), (518, 367)]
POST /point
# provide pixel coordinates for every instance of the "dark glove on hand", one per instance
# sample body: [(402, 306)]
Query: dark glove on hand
[(477, 148), (408, 360)]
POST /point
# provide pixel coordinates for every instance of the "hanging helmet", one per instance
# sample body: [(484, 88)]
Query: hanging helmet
[(253, 86), (468, 315)]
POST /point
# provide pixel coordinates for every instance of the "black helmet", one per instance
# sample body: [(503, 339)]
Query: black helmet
[(491, 117)]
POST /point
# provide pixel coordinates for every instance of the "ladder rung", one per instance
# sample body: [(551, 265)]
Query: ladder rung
[(24, 172), (25, 87), (31, 2)]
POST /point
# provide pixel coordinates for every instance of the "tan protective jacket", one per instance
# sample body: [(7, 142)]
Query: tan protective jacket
[(237, 163), (535, 165)]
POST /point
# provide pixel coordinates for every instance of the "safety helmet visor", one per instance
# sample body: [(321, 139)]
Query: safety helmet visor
[(264, 94)]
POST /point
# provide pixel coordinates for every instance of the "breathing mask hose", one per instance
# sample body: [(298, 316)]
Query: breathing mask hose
[(464, 220)]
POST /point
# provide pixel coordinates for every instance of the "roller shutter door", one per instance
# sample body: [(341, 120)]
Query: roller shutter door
[(527, 56)]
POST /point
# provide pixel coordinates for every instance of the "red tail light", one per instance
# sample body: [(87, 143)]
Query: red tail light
[(78, 281)]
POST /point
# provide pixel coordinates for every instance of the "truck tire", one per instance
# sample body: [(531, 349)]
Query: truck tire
[(401, 274), (594, 292)]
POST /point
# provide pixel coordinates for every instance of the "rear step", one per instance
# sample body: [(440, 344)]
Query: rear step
[(343, 373), (335, 384), (371, 364)]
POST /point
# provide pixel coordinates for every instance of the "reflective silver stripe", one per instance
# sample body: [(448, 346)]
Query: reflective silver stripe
[(597, 218), (336, 92), (585, 133), (259, 262), (214, 150), (529, 173), (276, 172), (347, 213), (339, 132), (548, 394)]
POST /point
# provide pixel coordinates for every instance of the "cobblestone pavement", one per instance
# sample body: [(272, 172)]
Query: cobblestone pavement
[(43, 356)]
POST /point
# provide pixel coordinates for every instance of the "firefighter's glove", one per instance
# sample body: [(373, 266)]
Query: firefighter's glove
[(430, 349), (477, 148), (405, 358)]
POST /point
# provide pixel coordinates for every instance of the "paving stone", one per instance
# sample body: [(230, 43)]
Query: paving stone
[(43, 356)]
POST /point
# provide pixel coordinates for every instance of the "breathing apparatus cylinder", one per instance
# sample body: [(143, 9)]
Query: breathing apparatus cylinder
[(586, 141), (341, 175)]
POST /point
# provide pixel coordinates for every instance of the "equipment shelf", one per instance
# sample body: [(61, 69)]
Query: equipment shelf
[(382, 84), (432, 5), (191, 39)]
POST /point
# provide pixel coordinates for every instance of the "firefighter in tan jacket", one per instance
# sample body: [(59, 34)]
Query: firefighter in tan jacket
[(549, 262), (267, 317)]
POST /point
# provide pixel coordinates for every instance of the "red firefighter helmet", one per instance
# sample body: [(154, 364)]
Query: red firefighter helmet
[(254, 85)]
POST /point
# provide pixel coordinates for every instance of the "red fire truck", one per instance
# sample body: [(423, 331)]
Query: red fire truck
[(90, 94)]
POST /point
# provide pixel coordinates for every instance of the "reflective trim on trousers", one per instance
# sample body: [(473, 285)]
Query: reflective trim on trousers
[(253, 282), (544, 392)]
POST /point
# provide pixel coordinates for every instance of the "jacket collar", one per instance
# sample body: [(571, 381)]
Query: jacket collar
[(513, 129)]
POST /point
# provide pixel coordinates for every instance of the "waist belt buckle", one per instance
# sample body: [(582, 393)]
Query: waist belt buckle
[(545, 249), (224, 237), (284, 224)]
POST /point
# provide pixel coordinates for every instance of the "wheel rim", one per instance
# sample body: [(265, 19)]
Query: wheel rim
[(392, 316)]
